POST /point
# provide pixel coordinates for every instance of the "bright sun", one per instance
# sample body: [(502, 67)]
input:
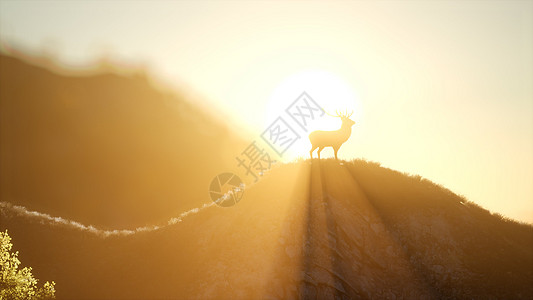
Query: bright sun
[(328, 90)]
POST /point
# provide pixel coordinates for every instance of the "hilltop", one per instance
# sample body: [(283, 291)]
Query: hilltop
[(103, 188), (308, 229)]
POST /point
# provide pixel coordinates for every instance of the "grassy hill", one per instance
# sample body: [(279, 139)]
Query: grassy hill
[(103, 188), (307, 229), (105, 148)]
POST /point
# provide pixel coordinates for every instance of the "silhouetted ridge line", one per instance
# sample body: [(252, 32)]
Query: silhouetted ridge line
[(106, 149), (6, 207), (395, 237)]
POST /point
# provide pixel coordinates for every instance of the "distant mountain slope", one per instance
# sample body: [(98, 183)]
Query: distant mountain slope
[(306, 230), (104, 149)]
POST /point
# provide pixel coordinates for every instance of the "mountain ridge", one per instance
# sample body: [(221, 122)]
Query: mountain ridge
[(75, 146), (306, 230)]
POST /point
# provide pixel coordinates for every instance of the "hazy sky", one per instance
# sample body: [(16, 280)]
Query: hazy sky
[(442, 89)]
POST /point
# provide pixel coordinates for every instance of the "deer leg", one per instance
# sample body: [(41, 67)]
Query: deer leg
[(335, 150), (312, 149), (319, 149)]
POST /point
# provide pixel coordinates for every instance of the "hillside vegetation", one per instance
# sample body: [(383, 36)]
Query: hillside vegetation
[(352, 230), (104, 190), (107, 149)]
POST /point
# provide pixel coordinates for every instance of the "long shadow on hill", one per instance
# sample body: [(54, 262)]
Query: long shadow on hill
[(460, 249), (372, 232), (306, 230), (347, 238)]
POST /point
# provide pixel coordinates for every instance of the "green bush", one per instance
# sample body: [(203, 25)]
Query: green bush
[(18, 283)]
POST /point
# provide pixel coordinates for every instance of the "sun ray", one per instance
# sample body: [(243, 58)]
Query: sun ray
[(329, 91)]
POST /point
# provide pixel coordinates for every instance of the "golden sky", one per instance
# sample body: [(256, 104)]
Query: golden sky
[(442, 89)]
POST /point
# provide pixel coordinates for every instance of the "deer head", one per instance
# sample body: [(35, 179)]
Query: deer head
[(345, 118)]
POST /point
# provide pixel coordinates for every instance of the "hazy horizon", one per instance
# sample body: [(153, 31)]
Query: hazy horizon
[(439, 89)]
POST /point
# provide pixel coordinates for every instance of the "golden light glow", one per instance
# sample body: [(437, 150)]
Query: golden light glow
[(446, 91), (328, 90)]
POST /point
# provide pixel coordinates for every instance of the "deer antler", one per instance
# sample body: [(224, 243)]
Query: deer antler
[(335, 116), (345, 114), (341, 115)]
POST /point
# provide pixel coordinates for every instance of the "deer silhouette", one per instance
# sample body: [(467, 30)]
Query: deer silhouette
[(321, 139)]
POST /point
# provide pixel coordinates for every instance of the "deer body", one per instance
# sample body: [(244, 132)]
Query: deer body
[(322, 139)]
